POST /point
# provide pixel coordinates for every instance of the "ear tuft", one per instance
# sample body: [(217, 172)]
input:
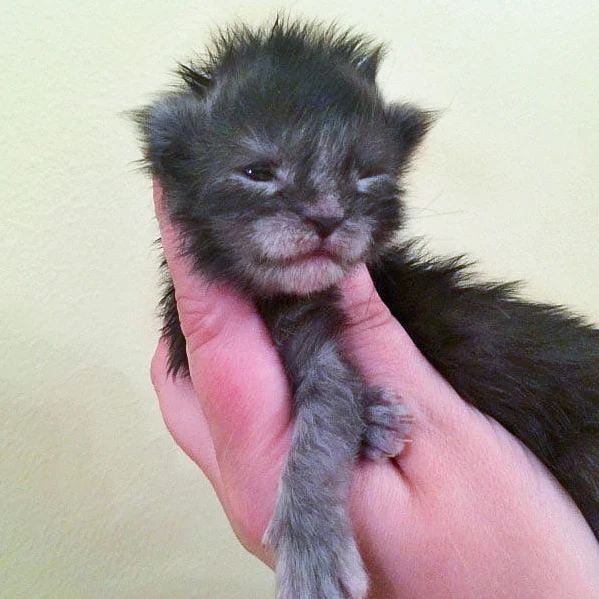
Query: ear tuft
[(196, 80), (368, 65), (410, 124)]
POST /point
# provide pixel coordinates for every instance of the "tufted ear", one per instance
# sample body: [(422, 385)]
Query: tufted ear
[(196, 80), (368, 66), (171, 131), (409, 124)]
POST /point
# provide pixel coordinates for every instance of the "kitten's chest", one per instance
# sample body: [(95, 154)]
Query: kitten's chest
[(301, 326)]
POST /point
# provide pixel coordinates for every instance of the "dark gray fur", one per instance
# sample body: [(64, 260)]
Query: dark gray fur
[(282, 166)]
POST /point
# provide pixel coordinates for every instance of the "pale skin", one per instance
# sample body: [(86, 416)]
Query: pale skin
[(465, 511)]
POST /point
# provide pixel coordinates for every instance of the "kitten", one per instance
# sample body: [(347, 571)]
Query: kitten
[(282, 167)]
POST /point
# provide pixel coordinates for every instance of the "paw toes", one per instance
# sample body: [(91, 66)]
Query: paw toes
[(387, 425)]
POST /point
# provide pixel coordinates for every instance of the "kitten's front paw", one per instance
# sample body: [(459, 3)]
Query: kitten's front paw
[(387, 425), (320, 564)]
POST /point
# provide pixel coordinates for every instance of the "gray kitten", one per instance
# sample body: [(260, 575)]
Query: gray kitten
[(282, 167)]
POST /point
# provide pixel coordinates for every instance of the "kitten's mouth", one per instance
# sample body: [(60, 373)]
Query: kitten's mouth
[(316, 256), (304, 272), (297, 262)]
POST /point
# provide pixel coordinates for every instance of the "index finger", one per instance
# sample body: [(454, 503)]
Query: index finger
[(234, 368)]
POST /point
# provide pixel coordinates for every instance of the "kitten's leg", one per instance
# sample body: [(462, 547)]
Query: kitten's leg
[(316, 554), (387, 424)]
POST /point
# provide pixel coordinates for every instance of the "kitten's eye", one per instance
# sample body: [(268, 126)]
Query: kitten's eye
[(260, 172)]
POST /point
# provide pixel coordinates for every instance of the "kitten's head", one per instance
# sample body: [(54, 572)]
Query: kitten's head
[(279, 160)]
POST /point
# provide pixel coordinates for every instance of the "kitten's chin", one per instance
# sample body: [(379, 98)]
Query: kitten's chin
[(299, 278)]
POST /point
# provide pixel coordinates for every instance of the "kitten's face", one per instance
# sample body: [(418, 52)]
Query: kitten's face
[(297, 212), (285, 173)]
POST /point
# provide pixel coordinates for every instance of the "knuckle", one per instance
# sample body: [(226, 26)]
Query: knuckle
[(201, 322), (370, 314)]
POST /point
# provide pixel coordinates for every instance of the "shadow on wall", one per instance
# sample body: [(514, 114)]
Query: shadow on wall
[(95, 495)]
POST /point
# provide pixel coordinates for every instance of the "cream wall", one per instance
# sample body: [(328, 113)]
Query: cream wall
[(95, 499)]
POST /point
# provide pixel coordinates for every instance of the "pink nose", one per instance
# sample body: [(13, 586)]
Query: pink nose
[(324, 225)]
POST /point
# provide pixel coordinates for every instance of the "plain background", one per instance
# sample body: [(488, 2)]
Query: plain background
[(95, 498)]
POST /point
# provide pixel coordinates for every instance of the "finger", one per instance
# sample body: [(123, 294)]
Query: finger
[(237, 375), (183, 415)]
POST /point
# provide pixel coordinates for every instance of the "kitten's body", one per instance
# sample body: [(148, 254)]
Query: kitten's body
[(280, 165)]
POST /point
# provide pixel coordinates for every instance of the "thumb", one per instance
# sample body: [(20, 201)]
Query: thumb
[(388, 357)]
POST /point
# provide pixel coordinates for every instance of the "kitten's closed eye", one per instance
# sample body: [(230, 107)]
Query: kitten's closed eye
[(371, 173), (371, 178)]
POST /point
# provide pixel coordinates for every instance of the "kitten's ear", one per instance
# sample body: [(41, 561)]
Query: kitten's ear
[(170, 130), (409, 124), (196, 80), (368, 66)]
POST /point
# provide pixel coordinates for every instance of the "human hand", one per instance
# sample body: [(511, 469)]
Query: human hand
[(466, 511)]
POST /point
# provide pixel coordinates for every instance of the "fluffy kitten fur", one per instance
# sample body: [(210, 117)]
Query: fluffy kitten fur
[(282, 167)]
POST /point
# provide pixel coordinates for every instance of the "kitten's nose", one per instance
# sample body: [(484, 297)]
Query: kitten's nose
[(324, 225)]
